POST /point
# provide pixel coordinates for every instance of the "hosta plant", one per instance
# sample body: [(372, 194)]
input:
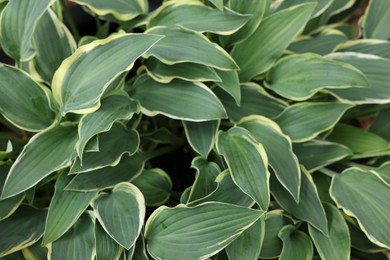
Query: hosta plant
[(214, 129)]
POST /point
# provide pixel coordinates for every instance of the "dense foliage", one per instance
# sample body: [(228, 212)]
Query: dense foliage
[(221, 129)]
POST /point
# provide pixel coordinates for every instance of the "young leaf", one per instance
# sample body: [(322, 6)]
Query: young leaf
[(78, 94), (201, 135), (121, 213), (230, 83), (196, 232), (376, 19), (296, 244)]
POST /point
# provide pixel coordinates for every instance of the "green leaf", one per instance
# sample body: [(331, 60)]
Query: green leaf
[(254, 101), (162, 136), (321, 5), (76, 94), (112, 146), (165, 73), (376, 47), (127, 169), (121, 213), (363, 195), (139, 250), (337, 245), (8, 206), (35, 251), (316, 154), (46, 152), (77, 243), (272, 245), (106, 247), (196, 232), (248, 244), (17, 24), (273, 36), (308, 209), (113, 108), (230, 83), (24, 102), (300, 76), (65, 209), (277, 145), (247, 162), (121, 9), (296, 244), (217, 3), (53, 43), (196, 16), (376, 19), (155, 185), (360, 241), (179, 100), (182, 45), (201, 135), (22, 229), (304, 121), (381, 124), (384, 172)]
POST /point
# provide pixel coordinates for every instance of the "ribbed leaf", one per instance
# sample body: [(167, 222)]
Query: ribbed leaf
[(65, 209), (300, 76), (384, 172), (337, 245), (17, 24), (247, 162), (201, 135), (8, 206), (155, 185), (230, 83), (364, 196), (24, 102), (78, 94), (277, 145), (270, 40), (196, 232), (22, 229), (308, 209), (379, 48), (304, 121), (77, 243), (196, 16), (321, 6), (179, 100), (106, 247), (182, 45), (113, 108), (376, 19), (121, 213), (121, 9), (296, 244), (45, 153), (35, 251)]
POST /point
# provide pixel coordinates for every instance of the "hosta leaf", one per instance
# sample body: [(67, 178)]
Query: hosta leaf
[(364, 196), (155, 185), (46, 152), (179, 100), (32, 112), (308, 209), (196, 232), (248, 244), (296, 244), (360, 241), (22, 229), (254, 101), (139, 250), (164, 73), (376, 19), (106, 247), (17, 30), (375, 68), (121, 213), (196, 16), (114, 107), (201, 135), (217, 3), (272, 245), (53, 43), (230, 83), (78, 94), (337, 244), (162, 136), (256, 9), (300, 76), (181, 45), (379, 48), (77, 243), (381, 124), (316, 154), (35, 251), (277, 145), (8, 206), (121, 9), (65, 209), (127, 169), (269, 40), (304, 121), (112, 146), (384, 172), (247, 162), (321, 6)]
